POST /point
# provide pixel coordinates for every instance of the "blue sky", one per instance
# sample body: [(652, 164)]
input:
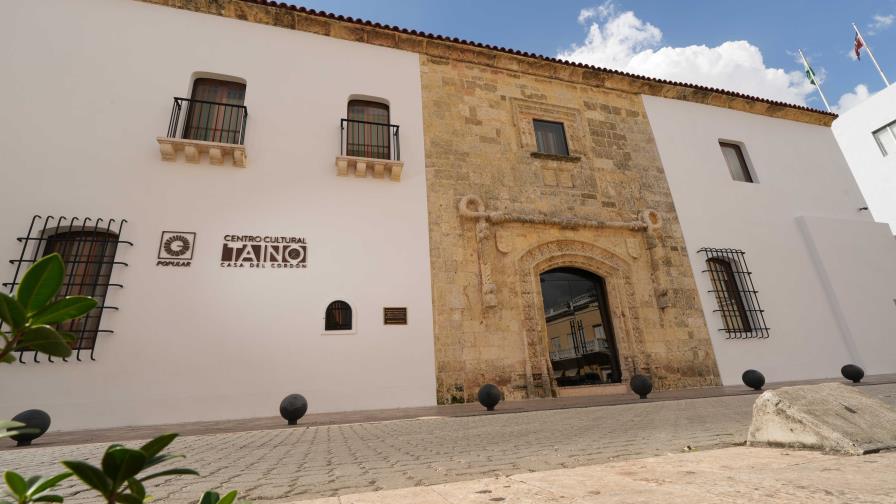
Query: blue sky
[(745, 46)]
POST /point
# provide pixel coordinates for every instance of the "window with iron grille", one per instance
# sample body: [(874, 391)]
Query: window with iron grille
[(338, 317), (736, 161), (550, 137), (215, 112), (736, 297), (368, 130), (88, 248)]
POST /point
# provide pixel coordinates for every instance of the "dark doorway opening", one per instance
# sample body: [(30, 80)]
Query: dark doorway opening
[(580, 333)]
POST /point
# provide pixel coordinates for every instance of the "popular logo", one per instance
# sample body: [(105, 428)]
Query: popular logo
[(257, 251), (176, 248)]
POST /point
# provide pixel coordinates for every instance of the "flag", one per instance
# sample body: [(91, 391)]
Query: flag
[(857, 48), (810, 73)]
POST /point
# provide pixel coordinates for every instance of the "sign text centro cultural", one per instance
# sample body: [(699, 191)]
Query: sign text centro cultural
[(259, 251)]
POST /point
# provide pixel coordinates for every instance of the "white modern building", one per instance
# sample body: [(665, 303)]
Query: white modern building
[(867, 135), (95, 87), (268, 200), (814, 276)]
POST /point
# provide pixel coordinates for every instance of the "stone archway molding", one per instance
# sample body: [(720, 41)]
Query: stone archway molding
[(616, 273), (472, 207)]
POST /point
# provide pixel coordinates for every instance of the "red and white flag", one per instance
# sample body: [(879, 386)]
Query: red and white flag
[(859, 44)]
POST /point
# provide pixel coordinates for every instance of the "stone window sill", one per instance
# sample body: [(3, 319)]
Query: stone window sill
[(359, 166), (556, 157), (193, 150)]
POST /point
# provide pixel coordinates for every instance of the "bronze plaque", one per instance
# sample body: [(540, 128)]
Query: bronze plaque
[(395, 316)]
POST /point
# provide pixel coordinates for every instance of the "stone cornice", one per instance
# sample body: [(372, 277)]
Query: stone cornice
[(347, 28)]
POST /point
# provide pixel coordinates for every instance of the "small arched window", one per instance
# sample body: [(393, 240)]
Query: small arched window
[(338, 317), (369, 132), (729, 295)]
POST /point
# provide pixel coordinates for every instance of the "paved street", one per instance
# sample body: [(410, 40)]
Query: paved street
[(309, 462)]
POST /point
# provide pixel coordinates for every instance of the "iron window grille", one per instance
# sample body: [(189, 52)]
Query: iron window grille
[(208, 121), (550, 137), (88, 247), (736, 296), (338, 317)]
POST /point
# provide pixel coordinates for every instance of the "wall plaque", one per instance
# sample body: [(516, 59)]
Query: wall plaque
[(395, 316)]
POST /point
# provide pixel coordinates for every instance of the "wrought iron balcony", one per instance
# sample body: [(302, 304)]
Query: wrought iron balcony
[(367, 145), (197, 127)]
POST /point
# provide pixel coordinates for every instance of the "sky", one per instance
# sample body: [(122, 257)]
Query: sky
[(746, 46)]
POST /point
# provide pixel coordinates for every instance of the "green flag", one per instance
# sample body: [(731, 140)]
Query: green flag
[(810, 73)]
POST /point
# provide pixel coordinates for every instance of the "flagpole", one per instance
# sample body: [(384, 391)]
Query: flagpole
[(815, 80), (873, 59)]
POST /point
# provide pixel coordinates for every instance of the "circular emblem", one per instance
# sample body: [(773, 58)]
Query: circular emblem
[(176, 245), (295, 254)]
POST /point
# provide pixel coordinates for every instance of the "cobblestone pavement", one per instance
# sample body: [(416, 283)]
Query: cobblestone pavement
[(307, 462)]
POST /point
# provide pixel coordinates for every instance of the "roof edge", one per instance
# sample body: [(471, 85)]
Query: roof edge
[(357, 30)]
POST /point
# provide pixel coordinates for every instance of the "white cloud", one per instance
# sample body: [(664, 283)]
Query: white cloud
[(622, 41), (880, 23), (850, 100)]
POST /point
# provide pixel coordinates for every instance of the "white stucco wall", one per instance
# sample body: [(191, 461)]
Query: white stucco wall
[(800, 172), (874, 172), (87, 88)]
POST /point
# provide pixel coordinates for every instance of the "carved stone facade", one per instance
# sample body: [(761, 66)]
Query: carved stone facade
[(501, 214)]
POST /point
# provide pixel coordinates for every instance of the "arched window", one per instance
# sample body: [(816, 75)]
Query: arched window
[(216, 112), (369, 133), (338, 317), (729, 296), (88, 256)]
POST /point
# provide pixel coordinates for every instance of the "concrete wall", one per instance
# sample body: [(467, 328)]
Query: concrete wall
[(87, 88), (800, 172), (874, 172)]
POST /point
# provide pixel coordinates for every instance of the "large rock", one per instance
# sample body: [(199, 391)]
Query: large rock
[(830, 417)]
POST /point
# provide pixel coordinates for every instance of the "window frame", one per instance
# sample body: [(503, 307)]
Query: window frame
[(74, 283), (891, 127), (745, 166), (233, 115), (352, 313), (733, 292), (381, 148), (538, 145)]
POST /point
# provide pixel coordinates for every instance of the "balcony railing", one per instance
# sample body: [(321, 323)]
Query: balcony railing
[(197, 127), (208, 121), (369, 140), (365, 145)]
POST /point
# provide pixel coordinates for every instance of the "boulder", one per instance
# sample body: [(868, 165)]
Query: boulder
[(830, 416)]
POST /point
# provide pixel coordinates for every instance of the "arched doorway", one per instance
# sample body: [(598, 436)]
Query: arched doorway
[(580, 338)]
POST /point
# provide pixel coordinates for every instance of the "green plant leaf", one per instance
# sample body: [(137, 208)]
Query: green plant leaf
[(171, 472), (137, 488), (11, 312), (90, 475), (229, 498), (209, 497), (45, 339), (120, 463), (68, 308), (40, 283), (155, 446), (10, 424), (48, 498), (8, 358), (70, 338), (16, 483), (158, 459), (48, 483)]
